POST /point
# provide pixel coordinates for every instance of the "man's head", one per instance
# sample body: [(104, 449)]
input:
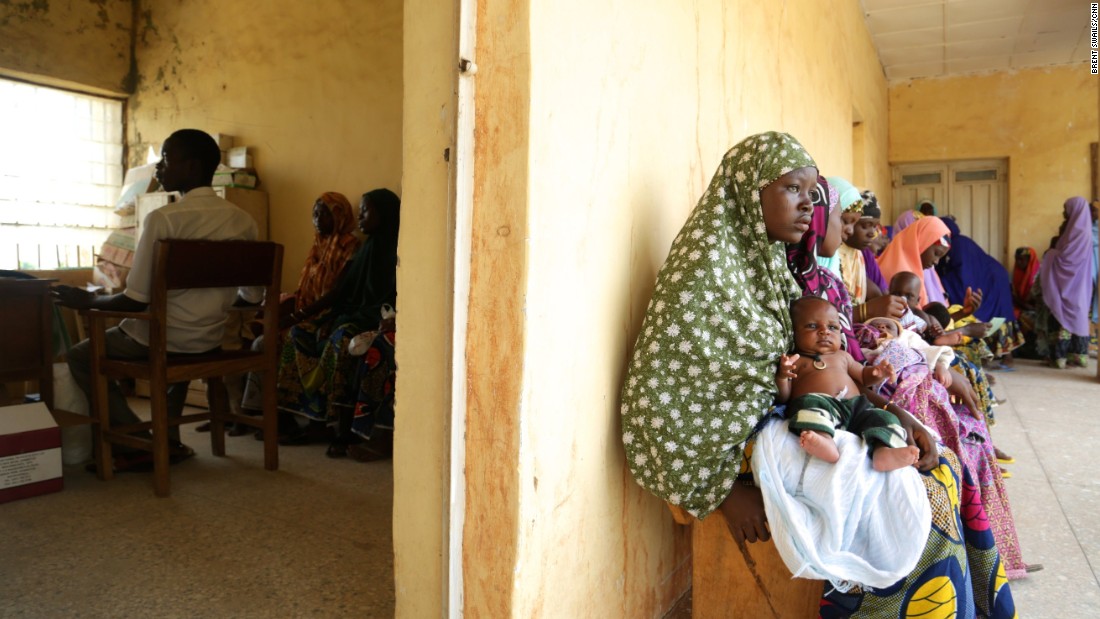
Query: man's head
[(816, 325), (188, 160), (906, 285)]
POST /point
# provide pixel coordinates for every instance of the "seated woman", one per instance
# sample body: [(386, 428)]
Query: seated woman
[(716, 325), (1065, 290), (316, 371), (862, 282), (804, 260), (858, 267), (967, 267), (334, 243), (1024, 274)]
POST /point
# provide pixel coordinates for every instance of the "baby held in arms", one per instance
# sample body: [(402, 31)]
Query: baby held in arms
[(821, 385)]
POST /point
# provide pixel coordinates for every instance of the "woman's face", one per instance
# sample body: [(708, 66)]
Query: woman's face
[(1022, 259), (369, 218), (850, 221), (833, 234), (863, 232), (931, 256), (322, 218), (787, 205)]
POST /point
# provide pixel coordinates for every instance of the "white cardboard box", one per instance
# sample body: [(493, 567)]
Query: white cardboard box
[(30, 452)]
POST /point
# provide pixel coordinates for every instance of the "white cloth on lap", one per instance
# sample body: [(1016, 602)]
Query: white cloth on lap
[(846, 522)]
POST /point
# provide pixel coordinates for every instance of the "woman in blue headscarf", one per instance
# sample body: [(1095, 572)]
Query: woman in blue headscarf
[(967, 265)]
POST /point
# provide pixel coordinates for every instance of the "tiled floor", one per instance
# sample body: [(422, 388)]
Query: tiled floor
[(313, 539)]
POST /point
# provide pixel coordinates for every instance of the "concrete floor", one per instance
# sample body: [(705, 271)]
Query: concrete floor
[(313, 539), (1054, 489)]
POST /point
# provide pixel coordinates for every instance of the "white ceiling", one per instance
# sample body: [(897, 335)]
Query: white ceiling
[(931, 38)]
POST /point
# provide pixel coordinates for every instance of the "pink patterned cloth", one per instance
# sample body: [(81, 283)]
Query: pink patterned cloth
[(918, 392)]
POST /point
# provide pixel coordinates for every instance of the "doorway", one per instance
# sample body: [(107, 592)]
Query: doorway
[(974, 192)]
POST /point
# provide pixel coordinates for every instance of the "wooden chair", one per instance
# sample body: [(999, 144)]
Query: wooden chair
[(181, 265)]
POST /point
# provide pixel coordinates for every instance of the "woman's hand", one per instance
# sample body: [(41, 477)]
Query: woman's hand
[(886, 306), (743, 510), (917, 434), (976, 330), (972, 301)]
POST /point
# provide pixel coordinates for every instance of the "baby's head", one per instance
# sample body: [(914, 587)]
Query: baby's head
[(816, 325), (889, 327), (939, 312), (906, 285)]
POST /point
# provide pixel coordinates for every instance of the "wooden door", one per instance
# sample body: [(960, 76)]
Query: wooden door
[(918, 181), (973, 192)]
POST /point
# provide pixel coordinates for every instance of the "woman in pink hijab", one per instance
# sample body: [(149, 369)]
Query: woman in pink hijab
[(918, 247), (933, 288), (1065, 282)]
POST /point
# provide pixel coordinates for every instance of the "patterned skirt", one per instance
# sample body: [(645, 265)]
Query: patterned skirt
[(960, 573), (316, 372), (929, 402)]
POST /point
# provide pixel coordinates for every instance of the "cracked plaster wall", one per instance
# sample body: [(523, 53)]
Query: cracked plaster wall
[(313, 88), (71, 43)]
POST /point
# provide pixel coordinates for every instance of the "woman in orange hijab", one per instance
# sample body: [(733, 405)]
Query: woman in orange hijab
[(333, 246), (916, 248)]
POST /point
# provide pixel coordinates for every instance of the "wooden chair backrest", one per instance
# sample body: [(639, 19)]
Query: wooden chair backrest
[(180, 264)]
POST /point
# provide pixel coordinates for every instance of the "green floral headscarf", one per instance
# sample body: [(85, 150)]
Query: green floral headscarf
[(703, 369)]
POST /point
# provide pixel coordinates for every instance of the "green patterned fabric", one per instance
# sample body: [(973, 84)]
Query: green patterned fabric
[(703, 369)]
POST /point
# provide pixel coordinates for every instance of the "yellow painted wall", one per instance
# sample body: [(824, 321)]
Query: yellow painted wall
[(424, 359), (630, 108), (313, 88), (1042, 120), (74, 43)]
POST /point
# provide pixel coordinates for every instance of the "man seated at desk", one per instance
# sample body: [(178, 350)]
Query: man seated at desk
[(196, 318)]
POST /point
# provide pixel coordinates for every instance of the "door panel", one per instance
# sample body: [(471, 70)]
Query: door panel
[(973, 192)]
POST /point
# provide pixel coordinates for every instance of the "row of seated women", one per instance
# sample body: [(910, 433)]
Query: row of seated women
[(336, 346), (701, 387)]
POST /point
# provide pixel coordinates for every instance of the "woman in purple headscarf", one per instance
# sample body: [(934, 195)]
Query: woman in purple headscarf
[(823, 238), (966, 265), (1065, 283)]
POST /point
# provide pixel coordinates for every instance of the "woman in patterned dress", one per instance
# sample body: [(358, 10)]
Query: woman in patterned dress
[(700, 380)]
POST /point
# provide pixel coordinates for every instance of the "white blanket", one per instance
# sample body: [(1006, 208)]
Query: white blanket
[(846, 522)]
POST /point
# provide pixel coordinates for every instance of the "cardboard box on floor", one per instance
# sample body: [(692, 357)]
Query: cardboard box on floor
[(30, 452)]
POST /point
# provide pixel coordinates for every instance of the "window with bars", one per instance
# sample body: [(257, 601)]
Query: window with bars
[(61, 168)]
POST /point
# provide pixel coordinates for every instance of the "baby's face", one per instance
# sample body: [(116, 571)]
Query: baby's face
[(817, 329), (888, 327), (909, 289)]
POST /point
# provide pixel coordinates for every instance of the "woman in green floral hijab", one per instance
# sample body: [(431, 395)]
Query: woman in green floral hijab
[(703, 370), (702, 376)]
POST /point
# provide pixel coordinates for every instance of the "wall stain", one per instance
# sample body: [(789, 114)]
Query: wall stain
[(26, 11)]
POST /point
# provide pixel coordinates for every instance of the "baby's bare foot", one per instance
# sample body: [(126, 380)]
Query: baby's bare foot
[(893, 458), (819, 445)]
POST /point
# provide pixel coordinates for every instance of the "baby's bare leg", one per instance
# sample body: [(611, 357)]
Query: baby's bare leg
[(819, 445), (893, 458)]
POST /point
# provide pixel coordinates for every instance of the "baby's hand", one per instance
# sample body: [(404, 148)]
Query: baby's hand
[(787, 367), (943, 375), (881, 371)]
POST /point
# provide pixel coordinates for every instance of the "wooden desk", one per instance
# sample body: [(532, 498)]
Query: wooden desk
[(26, 333)]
